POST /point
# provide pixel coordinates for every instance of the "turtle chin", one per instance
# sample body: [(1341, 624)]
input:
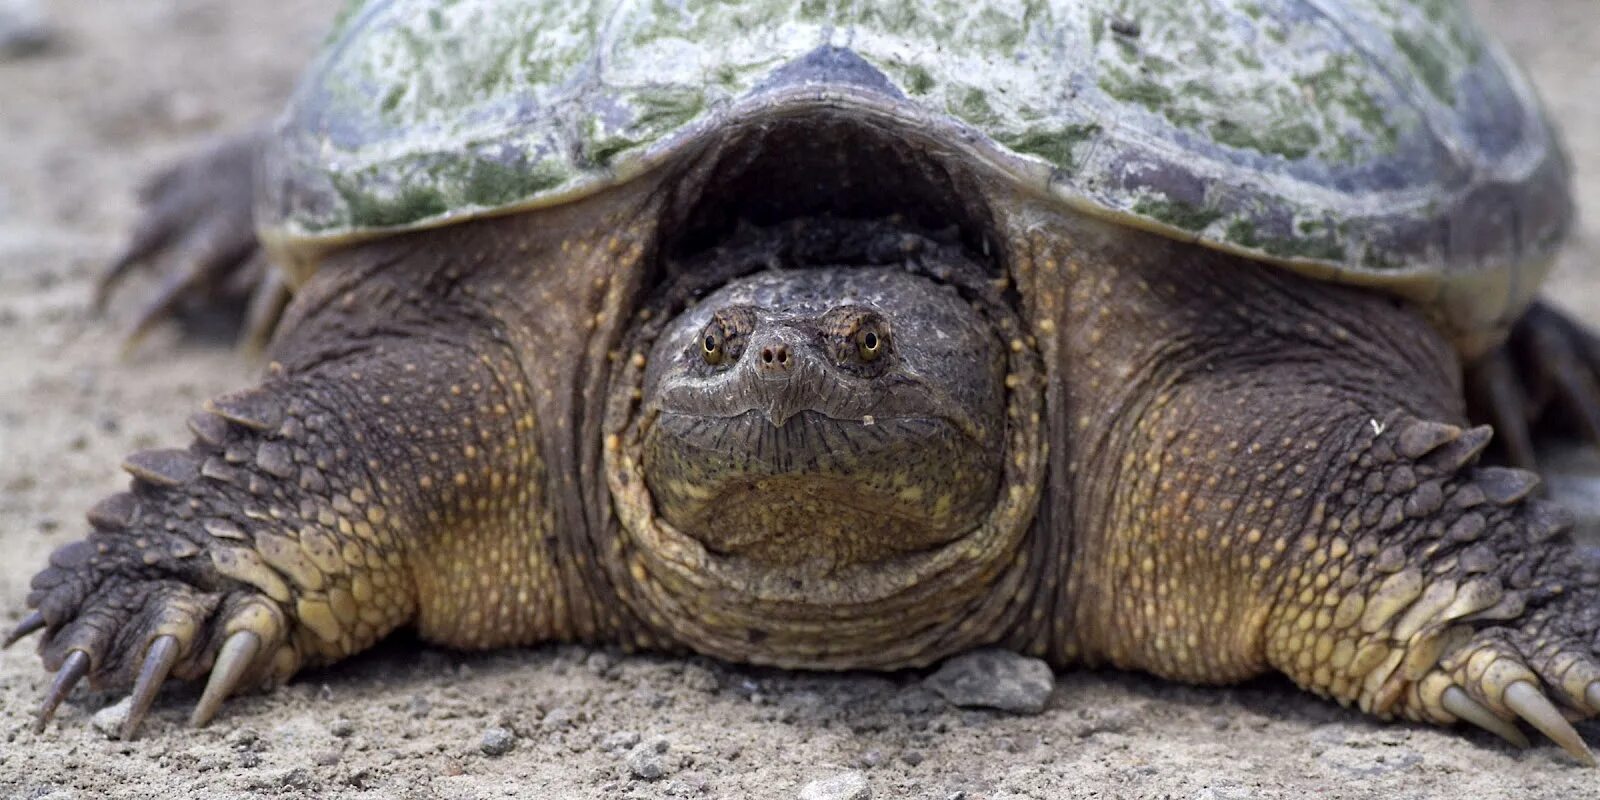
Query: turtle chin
[(817, 488)]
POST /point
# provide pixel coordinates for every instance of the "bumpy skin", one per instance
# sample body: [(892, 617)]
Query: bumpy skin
[(1293, 487), (1212, 469), (412, 457)]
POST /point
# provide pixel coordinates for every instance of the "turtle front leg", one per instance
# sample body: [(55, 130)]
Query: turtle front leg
[(1291, 485), (1426, 587), (386, 473)]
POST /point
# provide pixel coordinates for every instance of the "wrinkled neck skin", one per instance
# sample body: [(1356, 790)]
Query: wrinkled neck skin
[(795, 492)]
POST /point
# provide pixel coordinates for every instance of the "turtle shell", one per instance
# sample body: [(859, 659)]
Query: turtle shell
[(1383, 142)]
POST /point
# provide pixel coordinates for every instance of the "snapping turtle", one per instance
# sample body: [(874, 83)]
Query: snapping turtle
[(856, 337)]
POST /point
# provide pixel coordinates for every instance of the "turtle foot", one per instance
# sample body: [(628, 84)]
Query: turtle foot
[(153, 592), (214, 565), (198, 230), (1452, 594)]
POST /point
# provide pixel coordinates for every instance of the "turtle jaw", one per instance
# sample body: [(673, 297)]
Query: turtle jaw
[(818, 488)]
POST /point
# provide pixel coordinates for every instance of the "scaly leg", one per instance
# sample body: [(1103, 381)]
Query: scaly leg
[(388, 472), (1288, 482)]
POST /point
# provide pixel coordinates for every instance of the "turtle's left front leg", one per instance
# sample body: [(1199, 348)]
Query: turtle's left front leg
[(1294, 487)]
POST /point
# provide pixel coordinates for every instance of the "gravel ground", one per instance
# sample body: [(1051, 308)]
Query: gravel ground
[(124, 86)]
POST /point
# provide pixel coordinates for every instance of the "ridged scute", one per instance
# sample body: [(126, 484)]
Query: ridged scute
[(1364, 140)]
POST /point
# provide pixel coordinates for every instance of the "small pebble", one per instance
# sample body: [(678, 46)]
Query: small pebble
[(297, 778), (419, 706), (602, 664), (700, 679), (497, 742), (994, 678), (648, 760), (619, 741), (558, 718), (342, 727), (109, 720), (851, 785)]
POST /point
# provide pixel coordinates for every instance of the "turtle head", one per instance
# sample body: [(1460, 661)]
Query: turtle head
[(840, 415)]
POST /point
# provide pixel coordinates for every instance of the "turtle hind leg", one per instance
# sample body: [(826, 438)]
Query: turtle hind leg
[(1546, 377), (198, 230)]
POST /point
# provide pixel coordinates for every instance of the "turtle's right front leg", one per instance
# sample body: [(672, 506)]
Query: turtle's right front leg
[(388, 474)]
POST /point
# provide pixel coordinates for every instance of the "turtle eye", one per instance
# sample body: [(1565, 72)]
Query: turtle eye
[(722, 340), (871, 341), (858, 338), (712, 344)]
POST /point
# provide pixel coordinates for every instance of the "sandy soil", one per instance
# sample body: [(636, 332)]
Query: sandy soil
[(125, 87)]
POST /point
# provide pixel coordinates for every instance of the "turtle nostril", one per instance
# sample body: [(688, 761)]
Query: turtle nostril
[(775, 357)]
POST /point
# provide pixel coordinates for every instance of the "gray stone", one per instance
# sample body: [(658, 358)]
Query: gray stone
[(648, 761), (850, 785), (619, 741), (994, 678), (109, 720), (497, 742)]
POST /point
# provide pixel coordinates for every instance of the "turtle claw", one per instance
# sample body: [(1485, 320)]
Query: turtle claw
[(158, 663), (33, 622), (1531, 705), (1456, 701), (237, 656), (72, 670)]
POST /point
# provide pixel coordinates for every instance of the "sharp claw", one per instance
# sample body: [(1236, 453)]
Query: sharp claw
[(159, 307), (267, 302), (236, 656), (72, 670), (112, 276), (158, 661), (1534, 707), (1592, 694), (1457, 702), (34, 621)]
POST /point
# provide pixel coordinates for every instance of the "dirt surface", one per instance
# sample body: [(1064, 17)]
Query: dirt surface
[(126, 86)]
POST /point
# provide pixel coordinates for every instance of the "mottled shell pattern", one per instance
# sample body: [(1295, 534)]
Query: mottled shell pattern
[(1385, 142)]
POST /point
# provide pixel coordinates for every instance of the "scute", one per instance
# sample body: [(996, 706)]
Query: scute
[(1376, 141)]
